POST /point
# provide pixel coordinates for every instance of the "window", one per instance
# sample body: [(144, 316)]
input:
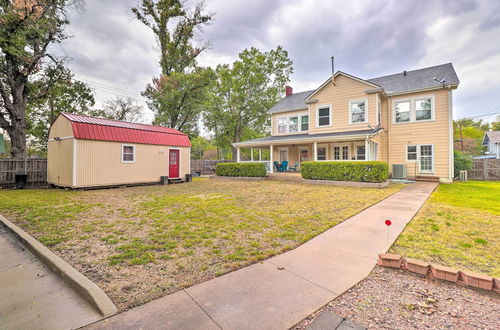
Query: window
[(304, 123), (321, 154), (128, 153), (411, 153), (402, 111), (414, 110), (324, 114), (357, 112), (360, 152), (282, 125), (423, 109), (345, 152), (336, 153), (293, 124)]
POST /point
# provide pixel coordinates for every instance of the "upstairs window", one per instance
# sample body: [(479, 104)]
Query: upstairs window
[(293, 124), (282, 125), (357, 110), (402, 111), (128, 153), (304, 123), (423, 109), (324, 115)]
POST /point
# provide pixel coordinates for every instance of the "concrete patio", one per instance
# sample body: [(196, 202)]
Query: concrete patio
[(281, 291)]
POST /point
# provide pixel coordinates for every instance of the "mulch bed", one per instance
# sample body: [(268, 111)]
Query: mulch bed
[(395, 299)]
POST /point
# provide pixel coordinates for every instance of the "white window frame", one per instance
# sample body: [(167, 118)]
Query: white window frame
[(308, 122), (323, 106), (123, 153), (413, 111), (409, 112), (278, 125), (432, 158), (416, 152), (287, 123), (290, 123), (365, 100)]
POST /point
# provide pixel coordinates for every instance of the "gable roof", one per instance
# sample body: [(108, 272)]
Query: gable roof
[(399, 83), (103, 129), (491, 136)]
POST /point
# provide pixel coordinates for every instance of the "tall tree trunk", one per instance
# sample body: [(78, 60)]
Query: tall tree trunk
[(18, 139)]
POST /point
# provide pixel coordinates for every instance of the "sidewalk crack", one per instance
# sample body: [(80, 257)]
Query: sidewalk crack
[(217, 324)]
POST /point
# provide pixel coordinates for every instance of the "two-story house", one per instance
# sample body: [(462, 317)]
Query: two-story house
[(402, 119)]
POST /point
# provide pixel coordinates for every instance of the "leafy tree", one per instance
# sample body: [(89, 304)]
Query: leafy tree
[(243, 92), (122, 108), (27, 29), (177, 96), (468, 135), (55, 91), (463, 162)]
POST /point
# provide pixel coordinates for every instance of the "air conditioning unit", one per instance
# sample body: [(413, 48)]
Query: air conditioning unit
[(398, 171)]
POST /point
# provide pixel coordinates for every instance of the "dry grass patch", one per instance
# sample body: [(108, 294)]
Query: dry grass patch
[(459, 226), (142, 243)]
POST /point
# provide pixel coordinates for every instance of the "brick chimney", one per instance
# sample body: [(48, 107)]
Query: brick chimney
[(288, 90)]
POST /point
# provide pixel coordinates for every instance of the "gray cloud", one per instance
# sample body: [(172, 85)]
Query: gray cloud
[(367, 39)]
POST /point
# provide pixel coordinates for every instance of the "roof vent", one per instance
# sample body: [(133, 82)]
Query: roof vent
[(404, 73)]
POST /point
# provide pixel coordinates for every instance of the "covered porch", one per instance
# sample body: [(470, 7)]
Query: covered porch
[(286, 153)]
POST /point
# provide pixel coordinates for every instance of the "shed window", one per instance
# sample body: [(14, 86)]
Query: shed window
[(128, 154)]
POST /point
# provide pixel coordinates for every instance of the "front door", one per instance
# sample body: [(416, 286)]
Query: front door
[(426, 158), (173, 163)]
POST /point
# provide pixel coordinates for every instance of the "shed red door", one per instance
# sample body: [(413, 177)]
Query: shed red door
[(173, 163)]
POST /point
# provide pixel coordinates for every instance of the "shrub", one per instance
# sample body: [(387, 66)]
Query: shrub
[(463, 162), (360, 171), (241, 169)]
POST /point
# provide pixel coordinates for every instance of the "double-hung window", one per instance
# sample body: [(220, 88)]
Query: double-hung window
[(423, 109), (411, 153), (402, 111), (324, 114), (293, 124), (304, 123), (128, 153), (357, 111), (282, 124), (336, 153)]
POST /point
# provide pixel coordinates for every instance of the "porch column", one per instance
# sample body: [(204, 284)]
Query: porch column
[(260, 154), (271, 157), (251, 154), (315, 151), (237, 154)]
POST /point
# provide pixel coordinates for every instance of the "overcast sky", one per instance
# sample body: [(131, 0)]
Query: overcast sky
[(109, 47)]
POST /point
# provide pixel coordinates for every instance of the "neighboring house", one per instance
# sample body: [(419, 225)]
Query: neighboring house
[(403, 118), (491, 141), (88, 151)]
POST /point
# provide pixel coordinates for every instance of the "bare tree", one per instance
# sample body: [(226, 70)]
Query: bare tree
[(122, 108)]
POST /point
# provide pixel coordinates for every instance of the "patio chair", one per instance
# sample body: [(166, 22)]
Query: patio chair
[(294, 167), (284, 166), (277, 166)]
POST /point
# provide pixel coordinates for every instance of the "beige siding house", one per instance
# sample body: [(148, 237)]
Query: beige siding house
[(94, 152), (404, 119)]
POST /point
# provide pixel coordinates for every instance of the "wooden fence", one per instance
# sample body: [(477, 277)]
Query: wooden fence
[(205, 167), (485, 169), (35, 168)]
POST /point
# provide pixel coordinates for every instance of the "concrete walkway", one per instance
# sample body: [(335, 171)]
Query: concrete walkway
[(32, 296), (283, 290)]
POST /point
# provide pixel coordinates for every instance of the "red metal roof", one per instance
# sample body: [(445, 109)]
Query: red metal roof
[(103, 129)]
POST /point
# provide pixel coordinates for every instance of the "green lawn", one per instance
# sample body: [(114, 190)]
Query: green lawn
[(142, 243), (459, 226)]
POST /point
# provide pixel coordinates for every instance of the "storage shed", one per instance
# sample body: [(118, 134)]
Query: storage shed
[(86, 151)]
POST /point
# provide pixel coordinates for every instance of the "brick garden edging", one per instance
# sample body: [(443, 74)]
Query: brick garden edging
[(439, 272)]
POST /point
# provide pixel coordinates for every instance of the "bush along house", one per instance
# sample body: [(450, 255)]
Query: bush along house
[(88, 151), (403, 119)]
